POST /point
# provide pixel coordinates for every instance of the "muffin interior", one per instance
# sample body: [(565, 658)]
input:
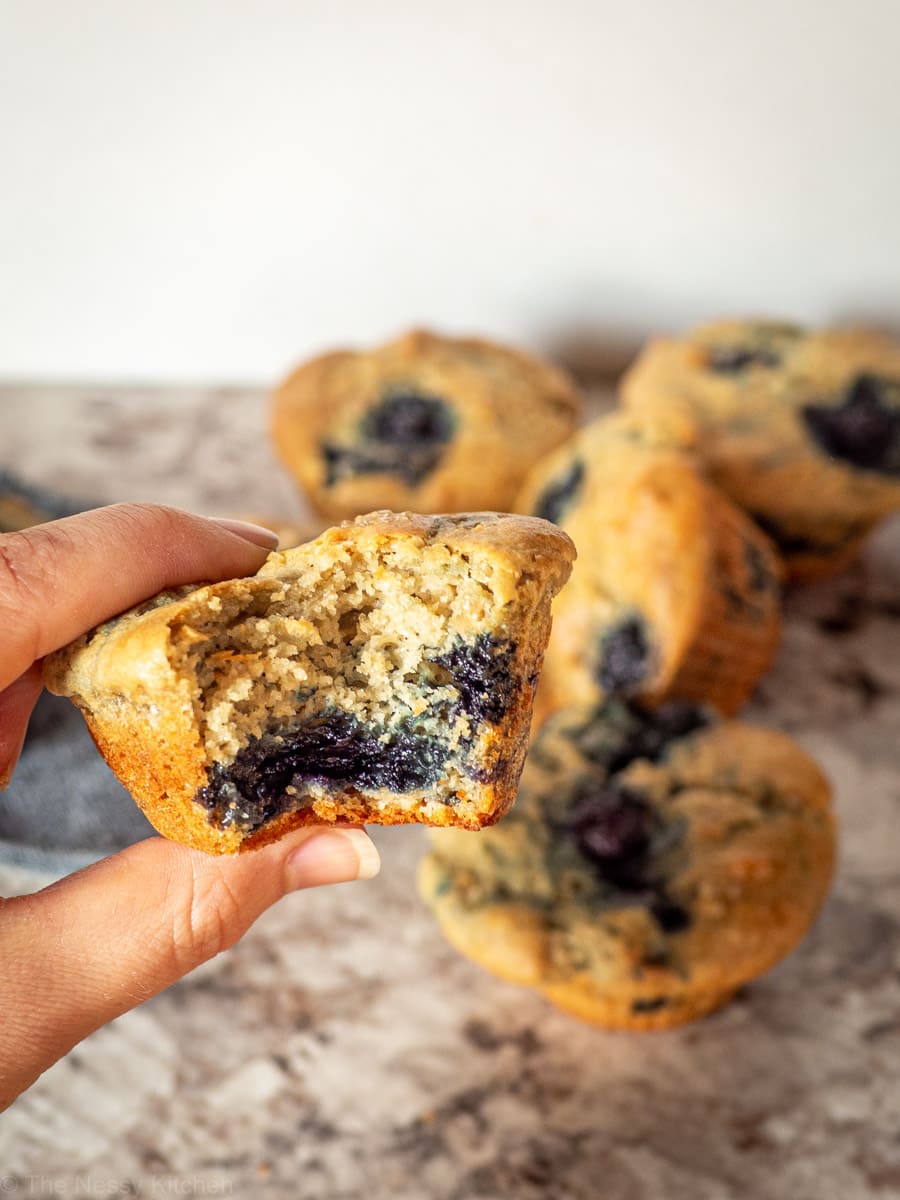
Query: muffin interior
[(375, 667)]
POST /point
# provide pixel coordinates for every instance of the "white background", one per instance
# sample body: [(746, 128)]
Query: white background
[(206, 190)]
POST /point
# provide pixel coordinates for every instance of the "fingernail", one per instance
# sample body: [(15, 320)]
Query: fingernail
[(258, 534), (333, 856)]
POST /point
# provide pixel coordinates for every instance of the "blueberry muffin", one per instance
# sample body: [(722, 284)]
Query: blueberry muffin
[(23, 504), (384, 672), (675, 594), (653, 864), (428, 423), (802, 429)]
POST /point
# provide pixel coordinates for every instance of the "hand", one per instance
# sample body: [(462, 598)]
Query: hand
[(88, 948)]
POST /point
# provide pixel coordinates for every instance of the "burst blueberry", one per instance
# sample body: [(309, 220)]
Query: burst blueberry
[(560, 494), (864, 430), (625, 656), (334, 750)]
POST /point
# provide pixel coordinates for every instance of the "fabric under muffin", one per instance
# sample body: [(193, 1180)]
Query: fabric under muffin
[(429, 423), (24, 504), (384, 672), (676, 592), (653, 863), (802, 429)]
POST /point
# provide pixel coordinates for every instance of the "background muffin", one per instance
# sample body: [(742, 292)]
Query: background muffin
[(652, 864), (426, 423), (675, 593), (802, 429)]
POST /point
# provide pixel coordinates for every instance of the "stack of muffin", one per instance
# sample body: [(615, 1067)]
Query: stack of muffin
[(660, 854)]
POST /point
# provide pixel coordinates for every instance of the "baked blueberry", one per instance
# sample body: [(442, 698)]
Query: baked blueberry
[(625, 656), (864, 429), (333, 750), (560, 493), (628, 732), (404, 435), (483, 673), (728, 360), (409, 418)]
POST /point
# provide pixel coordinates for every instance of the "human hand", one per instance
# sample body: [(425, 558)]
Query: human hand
[(100, 942)]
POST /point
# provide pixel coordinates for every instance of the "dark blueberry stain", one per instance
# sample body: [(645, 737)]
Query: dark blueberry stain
[(618, 733), (625, 656), (343, 462), (864, 429), (657, 956), (560, 493), (335, 750), (735, 599), (671, 917), (405, 435), (760, 575), (481, 671), (650, 1004), (408, 418), (731, 360), (614, 828), (496, 768)]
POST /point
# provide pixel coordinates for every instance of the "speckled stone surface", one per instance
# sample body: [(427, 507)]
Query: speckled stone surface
[(343, 1050)]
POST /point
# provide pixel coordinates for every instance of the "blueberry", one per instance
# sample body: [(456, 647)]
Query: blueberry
[(625, 656), (650, 1004), (408, 418), (670, 916), (481, 672), (404, 435), (864, 430), (759, 573), (343, 462), (333, 749), (731, 360), (612, 827), (618, 733), (560, 493), (670, 722)]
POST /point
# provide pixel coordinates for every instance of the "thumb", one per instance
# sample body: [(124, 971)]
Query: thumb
[(98, 943)]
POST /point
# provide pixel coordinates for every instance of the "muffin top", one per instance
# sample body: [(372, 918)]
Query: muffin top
[(649, 857)]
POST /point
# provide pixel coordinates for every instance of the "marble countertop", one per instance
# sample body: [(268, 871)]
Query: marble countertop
[(342, 1050)]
